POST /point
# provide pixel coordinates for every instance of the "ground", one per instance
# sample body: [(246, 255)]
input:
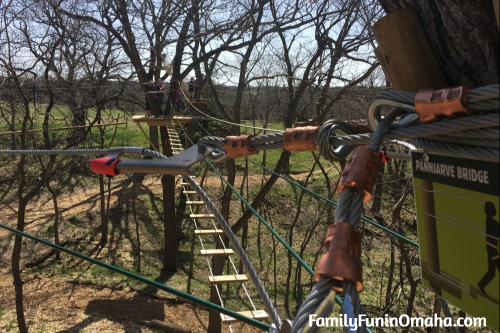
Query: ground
[(54, 304)]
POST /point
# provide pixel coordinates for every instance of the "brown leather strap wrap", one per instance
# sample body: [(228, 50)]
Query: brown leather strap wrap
[(301, 138), (362, 128), (448, 103), (361, 171), (239, 146), (341, 259)]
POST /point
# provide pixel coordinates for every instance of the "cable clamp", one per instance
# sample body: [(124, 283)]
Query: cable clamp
[(360, 128), (448, 103), (239, 146), (361, 171), (105, 165), (341, 259), (301, 138)]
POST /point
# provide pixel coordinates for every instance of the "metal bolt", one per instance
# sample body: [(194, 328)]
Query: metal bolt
[(426, 157)]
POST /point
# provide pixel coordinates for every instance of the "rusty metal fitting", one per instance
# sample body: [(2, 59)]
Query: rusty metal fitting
[(239, 146), (448, 103), (341, 259), (301, 138), (361, 128), (360, 171)]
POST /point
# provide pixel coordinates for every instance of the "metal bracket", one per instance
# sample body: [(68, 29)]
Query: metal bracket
[(174, 165)]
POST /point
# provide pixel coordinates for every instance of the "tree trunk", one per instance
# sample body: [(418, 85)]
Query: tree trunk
[(16, 256), (169, 222), (56, 218), (463, 35)]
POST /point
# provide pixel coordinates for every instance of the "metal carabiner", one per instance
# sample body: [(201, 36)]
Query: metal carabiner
[(374, 111), (341, 151)]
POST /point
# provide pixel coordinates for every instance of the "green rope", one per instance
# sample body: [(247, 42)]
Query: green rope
[(281, 240), (142, 279), (389, 231)]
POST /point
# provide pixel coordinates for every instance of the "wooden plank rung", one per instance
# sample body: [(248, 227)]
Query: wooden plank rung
[(209, 232), (188, 192), (258, 315), (201, 216), (195, 203), (227, 278), (217, 252)]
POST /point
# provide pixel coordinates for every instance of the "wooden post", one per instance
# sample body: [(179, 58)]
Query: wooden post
[(190, 134), (410, 64), (191, 257), (405, 52)]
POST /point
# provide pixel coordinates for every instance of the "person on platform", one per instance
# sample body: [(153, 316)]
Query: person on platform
[(191, 85), (160, 88)]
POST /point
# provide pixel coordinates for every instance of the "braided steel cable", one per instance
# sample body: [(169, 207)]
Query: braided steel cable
[(471, 152), (319, 292), (479, 99), (479, 131), (55, 152), (153, 153), (349, 210)]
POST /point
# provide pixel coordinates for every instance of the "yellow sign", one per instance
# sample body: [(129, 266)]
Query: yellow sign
[(458, 208)]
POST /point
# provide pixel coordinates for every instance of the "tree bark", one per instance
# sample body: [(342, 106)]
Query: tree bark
[(169, 222), (463, 35)]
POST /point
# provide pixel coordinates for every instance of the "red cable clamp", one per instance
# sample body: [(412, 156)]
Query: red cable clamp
[(360, 171), (105, 166), (383, 156), (239, 146), (448, 103), (301, 138), (341, 259)]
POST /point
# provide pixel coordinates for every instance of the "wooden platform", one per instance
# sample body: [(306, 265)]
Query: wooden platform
[(227, 278), (161, 120), (258, 315), (217, 252), (196, 101)]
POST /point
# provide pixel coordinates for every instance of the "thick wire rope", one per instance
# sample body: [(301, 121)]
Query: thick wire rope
[(478, 134), (349, 210)]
